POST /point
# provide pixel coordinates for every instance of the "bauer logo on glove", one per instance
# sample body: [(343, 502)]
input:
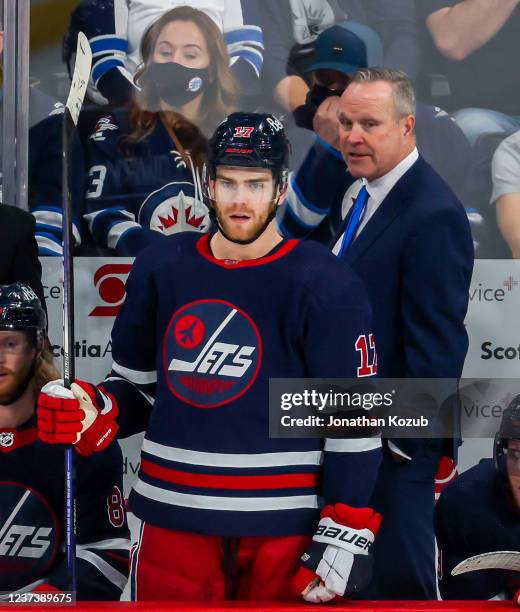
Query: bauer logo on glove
[(338, 561)]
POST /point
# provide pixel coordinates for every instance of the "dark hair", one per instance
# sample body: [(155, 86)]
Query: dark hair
[(218, 100)]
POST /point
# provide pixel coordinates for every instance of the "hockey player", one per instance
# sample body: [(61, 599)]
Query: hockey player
[(208, 320), (145, 164), (480, 513), (31, 475)]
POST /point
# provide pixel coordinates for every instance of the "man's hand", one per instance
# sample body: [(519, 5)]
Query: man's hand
[(338, 561), (325, 123), (82, 415)]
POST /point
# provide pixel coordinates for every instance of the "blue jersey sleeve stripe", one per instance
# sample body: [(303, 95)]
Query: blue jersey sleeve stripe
[(252, 35), (50, 237), (312, 207), (44, 207), (109, 45), (328, 147), (109, 217), (103, 66), (291, 225), (253, 57), (124, 236)]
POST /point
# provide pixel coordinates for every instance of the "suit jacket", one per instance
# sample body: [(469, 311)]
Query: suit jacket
[(415, 256), (18, 250)]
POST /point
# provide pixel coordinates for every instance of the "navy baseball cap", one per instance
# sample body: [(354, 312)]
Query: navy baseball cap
[(346, 47)]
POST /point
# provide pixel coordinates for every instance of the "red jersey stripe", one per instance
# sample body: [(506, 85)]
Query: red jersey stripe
[(213, 481), (204, 249)]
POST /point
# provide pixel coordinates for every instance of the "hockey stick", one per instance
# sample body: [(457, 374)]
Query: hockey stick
[(502, 559), (70, 120)]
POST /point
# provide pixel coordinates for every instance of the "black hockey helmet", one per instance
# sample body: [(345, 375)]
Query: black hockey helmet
[(251, 140), (509, 430), (21, 310)]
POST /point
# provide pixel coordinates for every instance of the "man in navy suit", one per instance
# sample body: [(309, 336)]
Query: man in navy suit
[(401, 228)]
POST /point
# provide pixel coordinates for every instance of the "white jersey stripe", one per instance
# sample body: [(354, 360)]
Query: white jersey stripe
[(149, 398), (352, 445), (109, 572), (136, 376), (114, 543), (234, 460), (236, 504)]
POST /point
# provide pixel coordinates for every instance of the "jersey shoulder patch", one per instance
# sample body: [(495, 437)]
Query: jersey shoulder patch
[(104, 128)]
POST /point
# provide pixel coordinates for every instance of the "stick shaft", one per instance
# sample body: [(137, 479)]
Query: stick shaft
[(68, 346)]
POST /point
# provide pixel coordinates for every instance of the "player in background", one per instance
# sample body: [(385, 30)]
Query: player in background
[(228, 511), (480, 513), (31, 475)]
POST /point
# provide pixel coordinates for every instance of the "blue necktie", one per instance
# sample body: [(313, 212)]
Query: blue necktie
[(354, 219)]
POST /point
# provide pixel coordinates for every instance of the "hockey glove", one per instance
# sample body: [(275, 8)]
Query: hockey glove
[(338, 561), (82, 415)]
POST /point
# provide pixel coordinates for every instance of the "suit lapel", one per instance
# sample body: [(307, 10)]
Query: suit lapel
[(390, 208)]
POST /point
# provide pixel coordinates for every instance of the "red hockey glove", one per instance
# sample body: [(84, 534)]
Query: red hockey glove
[(82, 415), (338, 561)]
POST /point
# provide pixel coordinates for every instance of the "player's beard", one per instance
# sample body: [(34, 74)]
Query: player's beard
[(240, 232), (14, 385)]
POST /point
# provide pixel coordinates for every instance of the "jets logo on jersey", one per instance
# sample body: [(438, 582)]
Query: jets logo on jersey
[(104, 124), (212, 353), (173, 208), (28, 536), (243, 132), (6, 439)]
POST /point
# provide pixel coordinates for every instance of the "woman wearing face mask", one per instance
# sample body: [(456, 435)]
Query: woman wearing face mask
[(144, 164)]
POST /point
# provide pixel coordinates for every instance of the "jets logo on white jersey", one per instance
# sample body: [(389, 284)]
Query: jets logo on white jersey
[(212, 353), (28, 535)]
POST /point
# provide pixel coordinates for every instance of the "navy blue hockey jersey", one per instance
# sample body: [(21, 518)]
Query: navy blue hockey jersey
[(194, 347), (32, 517), (133, 200), (476, 515)]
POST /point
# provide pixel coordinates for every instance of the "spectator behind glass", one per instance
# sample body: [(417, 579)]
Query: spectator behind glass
[(115, 29), (45, 168), (505, 172), (145, 163), (341, 50), (477, 45), (291, 27)]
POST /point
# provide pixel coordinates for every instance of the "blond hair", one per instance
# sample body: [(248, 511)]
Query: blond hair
[(45, 369)]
